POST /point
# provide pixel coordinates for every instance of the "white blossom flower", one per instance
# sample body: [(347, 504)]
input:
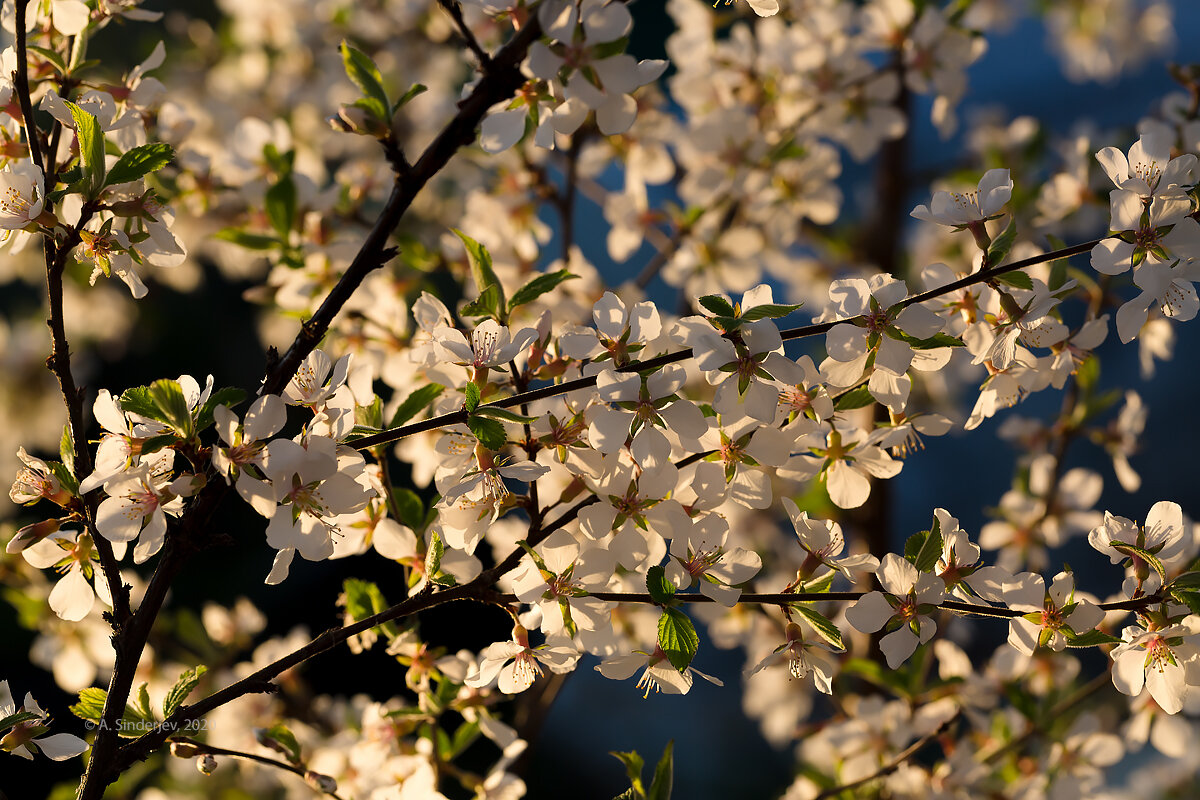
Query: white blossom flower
[(26, 738), (22, 195), (514, 664), (1164, 661), (1050, 612), (961, 209), (803, 657), (902, 607)]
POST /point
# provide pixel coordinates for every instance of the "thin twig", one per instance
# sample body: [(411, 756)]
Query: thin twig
[(203, 748), (460, 417), (892, 765), (455, 12)]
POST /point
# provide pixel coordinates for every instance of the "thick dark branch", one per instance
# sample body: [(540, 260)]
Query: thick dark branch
[(21, 83), (190, 532), (455, 11), (553, 390), (501, 81)]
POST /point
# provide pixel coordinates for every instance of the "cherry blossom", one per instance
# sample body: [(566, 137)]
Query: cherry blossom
[(26, 738), (901, 607)]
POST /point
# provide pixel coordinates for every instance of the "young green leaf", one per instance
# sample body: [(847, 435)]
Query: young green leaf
[(489, 432), (472, 397), (858, 397), (416, 401), (661, 590), (281, 740), (168, 399), (91, 147), (769, 311), (281, 205), (998, 249), (717, 305), (1016, 278), (363, 73), (504, 415), (91, 704), (677, 638), (821, 624), (137, 162), (182, 688), (660, 786), (538, 287), (481, 265)]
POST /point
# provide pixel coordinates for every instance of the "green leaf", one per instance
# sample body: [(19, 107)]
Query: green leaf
[(412, 509), (876, 673), (91, 704), (912, 546), (634, 764), (769, 311), (65, 477), (156, 443), (281, 205), (998, 250), (361, 70), (373, 107), (661, 590), (229, 396), (538, 287), (1187, 579), (660, 787), (821, 624), (250, 241), (931, 550), (1189, 599), (413, 91), (472, 397), (677, 638), (629, 794), (66, 449), (281, 740), (1145, 555), (182, 688), (858, 397), (168, 398), (488, 304), (934, 342), (1018, 279), (433, 561), (481, 265), (464, 736), (55, 59), (1091, 639), (91, 147), (137, 162), (416, 401), (717, 305), (504, 415), (489, 432)]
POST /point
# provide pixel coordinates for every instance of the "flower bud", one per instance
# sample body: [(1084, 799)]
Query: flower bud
[(206, 764)]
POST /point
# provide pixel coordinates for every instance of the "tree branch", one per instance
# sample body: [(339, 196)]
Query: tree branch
[(460, 417)]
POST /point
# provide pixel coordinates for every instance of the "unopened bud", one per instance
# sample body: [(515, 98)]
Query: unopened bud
[(184, 750), (32, 534), (322, 783), (206, 764)]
